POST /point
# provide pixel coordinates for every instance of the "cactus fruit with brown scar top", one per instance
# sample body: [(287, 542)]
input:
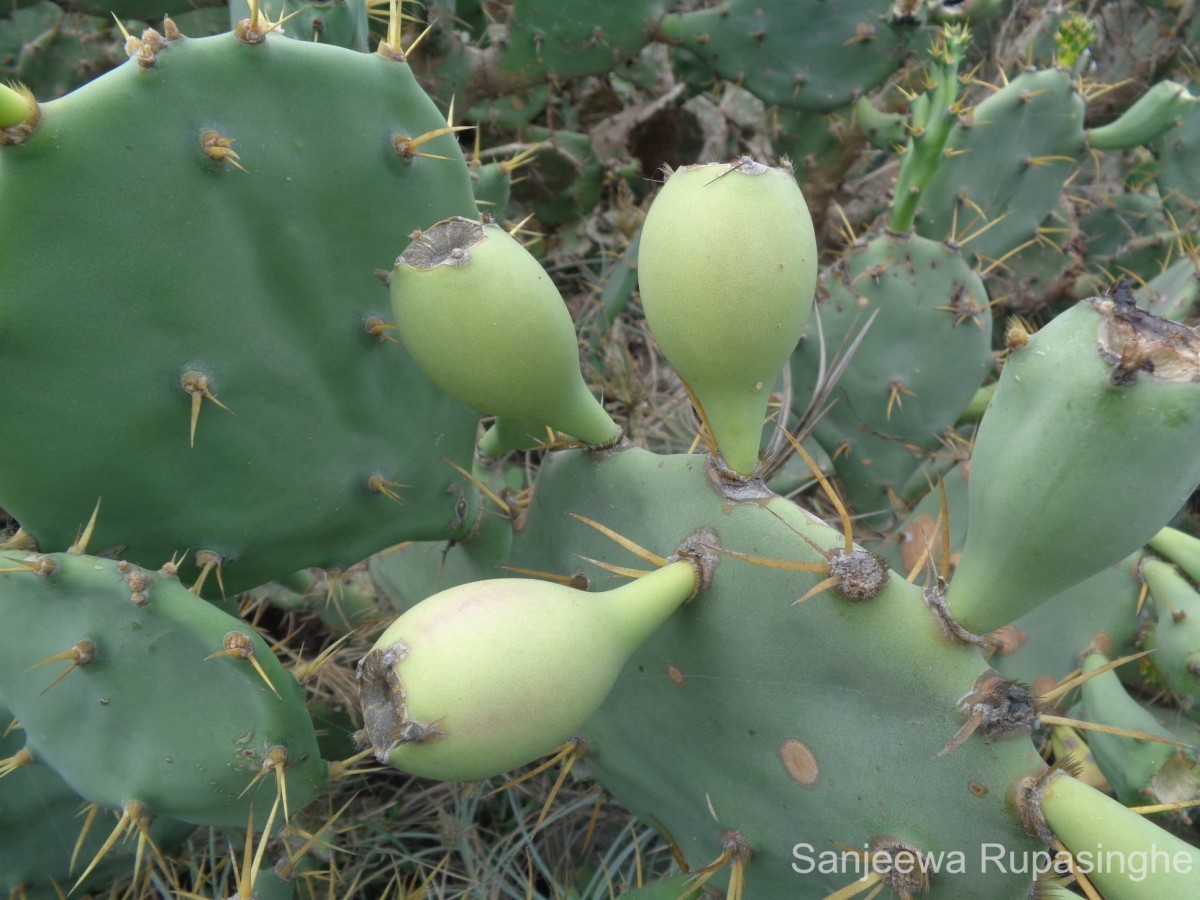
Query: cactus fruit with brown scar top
[(1095, 421), (727, 267), (482, 678), (486, 323)]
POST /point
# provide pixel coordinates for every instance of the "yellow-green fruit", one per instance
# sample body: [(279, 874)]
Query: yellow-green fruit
[(727, 267), (484, 321), (484, 677), (16, 105)]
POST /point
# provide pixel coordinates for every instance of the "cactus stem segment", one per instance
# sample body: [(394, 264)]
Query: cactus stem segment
[(239, 646), (199, 386), (80, 654)]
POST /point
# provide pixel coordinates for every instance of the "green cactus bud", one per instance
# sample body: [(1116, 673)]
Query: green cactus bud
[(1087, 448), (484, 677), (14, 107), (18, 110), (727, 266), (484, 321)]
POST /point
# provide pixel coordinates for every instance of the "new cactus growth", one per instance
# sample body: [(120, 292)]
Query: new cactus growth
[(465, 291), (727, 267), (482, 678)]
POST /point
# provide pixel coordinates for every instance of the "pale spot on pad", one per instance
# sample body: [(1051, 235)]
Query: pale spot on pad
[(675, 675), (799, 761)]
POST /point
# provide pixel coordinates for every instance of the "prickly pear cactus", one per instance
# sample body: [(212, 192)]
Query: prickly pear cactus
[(193, 333)]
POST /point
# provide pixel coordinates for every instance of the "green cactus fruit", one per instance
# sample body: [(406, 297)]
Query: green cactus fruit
[(484, 677), (727, 267), (1087, 448), (484, 321), (137, 692), (15, 106)]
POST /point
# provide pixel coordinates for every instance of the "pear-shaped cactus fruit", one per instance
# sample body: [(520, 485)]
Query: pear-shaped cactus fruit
[(19, 113), (484, 321), (14, 106), (727, 267), (1087, 448), (484, 677)]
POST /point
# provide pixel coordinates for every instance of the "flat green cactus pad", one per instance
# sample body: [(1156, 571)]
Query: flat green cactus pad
[(200, 235)]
